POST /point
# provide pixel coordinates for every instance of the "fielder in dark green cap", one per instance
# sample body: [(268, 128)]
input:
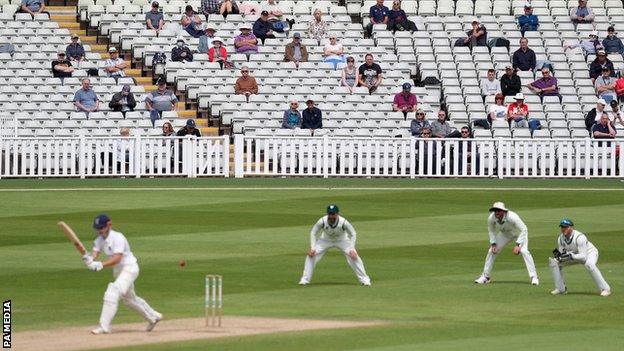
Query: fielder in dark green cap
[(336, 232)]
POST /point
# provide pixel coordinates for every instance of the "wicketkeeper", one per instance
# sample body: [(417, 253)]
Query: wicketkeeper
[(574, 248)]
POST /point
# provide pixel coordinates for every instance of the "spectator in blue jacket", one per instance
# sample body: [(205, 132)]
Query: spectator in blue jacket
[(612, 44), (378, 13), (528, 22), (292, 116), (262, 28)]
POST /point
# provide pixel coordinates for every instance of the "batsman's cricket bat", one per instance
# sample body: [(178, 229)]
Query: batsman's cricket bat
[(69, 233)]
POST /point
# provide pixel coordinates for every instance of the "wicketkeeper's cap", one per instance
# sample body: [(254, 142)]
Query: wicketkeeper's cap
[(566, 223), (332, 209), (498, 206), (101, 221)]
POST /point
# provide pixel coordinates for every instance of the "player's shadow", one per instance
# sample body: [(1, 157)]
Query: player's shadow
[(511, 282), (333, 284), (582, 293)]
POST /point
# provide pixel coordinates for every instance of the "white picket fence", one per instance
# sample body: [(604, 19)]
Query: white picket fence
[(309, 157)]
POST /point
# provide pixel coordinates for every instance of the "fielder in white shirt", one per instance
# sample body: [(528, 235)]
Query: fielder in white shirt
[(338, 233), (574, 248), (125, 271), (504, 226)]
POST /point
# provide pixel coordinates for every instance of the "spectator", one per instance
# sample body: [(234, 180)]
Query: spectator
[(218, 53), (227, 7), (350, 75), (292, 116), (593, 45), (489, 85), (262, 28), (189, 129), (318, 28), (123, 101), (154, 18), (605, 86), (524, 58), (545, 86), (295, 51), (276, 16), (603, 129), (612, 44), (312, 117), (75, 51), (370, 74), (159, 100), (209, 7), (249, 8), (477, 36), (440, 128), (115, 65), (582, 13), (510, 82), (619, 87), (167, 129), (333, 51), (616, 112), (427, 153), (465, 143), (397, 19), (518, 112), (181, 52), (191, 22), (33, 7), (528, 22), (497, 111), (246, 84), (246, 42), (62, 67), (378, 14), (419, 123), (122, 148), (85, 99), (594, 114), (205, 41), (601, 61), (405, 101)]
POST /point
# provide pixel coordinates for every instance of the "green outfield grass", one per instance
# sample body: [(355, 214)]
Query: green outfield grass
[(422, 249)]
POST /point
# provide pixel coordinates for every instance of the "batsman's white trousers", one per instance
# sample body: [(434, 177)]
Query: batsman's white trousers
[(590, 264), (322, 245), (123, 288), (501, 241)]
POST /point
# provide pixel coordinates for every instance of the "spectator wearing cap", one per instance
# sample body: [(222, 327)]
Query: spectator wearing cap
[(619, 87), (209, 7), (218, 53), (292, 116), (594, 114), (489, 85), (190, 128), (370, 74), (181, 52), (333, 51), (616, 112), (33, 7), (191, 22), (518, 112), (246, 84), (227, 7), (378, 14), (510, 82), (159, 100), (440, 128), (350, 77), (397, 19), (62, 67), (155, 19), (476, 36), (605, 86), (262, 28), (85, 99), (524, 58), (246, 42), (295, 51), (123, 101), (612, 44), (312, 117), (582, 13), (318, 28), (405, 101), (419, 123), (528, 22), (205, 41), (589, 46), (601, 61), (115, 65), (75, 51), (603, 129), (545, 86)]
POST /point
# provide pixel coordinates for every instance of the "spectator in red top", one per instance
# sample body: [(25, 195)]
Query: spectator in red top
[(619, 86), (405, 101), (218, 53), (518, 112)]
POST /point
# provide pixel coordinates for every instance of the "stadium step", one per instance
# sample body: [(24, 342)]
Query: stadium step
[(63, 17)]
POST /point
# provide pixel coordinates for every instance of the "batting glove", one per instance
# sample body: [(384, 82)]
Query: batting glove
[(96, 266), (87, 259)]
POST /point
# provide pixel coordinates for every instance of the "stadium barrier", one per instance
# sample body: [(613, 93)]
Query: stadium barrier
[(114, 157), (411, 158), (8, 125)]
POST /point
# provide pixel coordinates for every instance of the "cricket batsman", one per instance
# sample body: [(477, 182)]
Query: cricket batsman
[(574, 248), (338, 233), (503, 226), (125, 270)]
